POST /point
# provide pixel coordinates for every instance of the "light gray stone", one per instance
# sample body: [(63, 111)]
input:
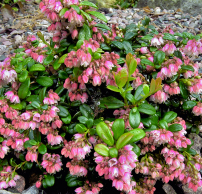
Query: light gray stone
[(190, 191), (168, 189), (31, 190), (197, 142), (6, 192)]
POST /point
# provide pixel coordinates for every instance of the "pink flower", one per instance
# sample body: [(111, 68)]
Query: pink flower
[(144, 50), (96, 80)]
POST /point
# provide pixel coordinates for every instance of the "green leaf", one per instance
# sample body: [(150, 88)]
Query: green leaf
[(35, 104), (113, 88), (104, 133), (98, 15), (50, 180), (137, 135), (24, 89), (16, 106), (56, 65), (90, 122), (62, 74), (87, 3), (172, 79), (139, 93), (118, 128), (23, 76), (127, 46), (136, 149), (62, 58), (129, 34), (87, 32), (67, 120), (87, 16), (131, 98), (33, 142), (163, 124), (37, 67), (86, 111), (27, 144), (48, 59), (82, 119), (113, 152), (1, 139), (42, 149), (42, 94), (59, 90), (175, 127), (123, 140), (102, 149), (169, 116), (178, 54), (81, 128), (134, 118), (187, 67), (188, 105), (44, 81), (147, 62), (191, 151), (63, 111), (32, 98), (77, 9), (62, 11), (132, 66), (147, 109), (117, 44), (103, 26), (159, 57), (183, 90), (168, 36), (111, 102)]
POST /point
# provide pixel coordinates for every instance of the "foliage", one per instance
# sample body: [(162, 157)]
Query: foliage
[(53, 113)]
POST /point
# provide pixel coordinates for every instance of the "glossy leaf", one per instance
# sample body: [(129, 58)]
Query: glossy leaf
[(63, 111), (111, 102), (37, 67), (183, 90), (123, 140), (175, 127), (48, 60), (98, 15), (188, 105), (102, 149), (134, 118), (44, 81), (137, 135), (147, 109), (113, 152), (86, 111), (81, 128), (163, 124), (42, 149), (104, 133), (118, 128), (169, 116), (24, 89)]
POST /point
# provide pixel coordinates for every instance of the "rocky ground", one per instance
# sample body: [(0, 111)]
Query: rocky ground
[(13, 32)]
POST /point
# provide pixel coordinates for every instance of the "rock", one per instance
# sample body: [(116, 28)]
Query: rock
[(20, 184), (157, 10), (108, 18), (197, 142), (31, 190), (13, 190), (178, 16), (6, 192), (111, 10), (18, 39), (2, 57), (168, 189), (190, 191), (2, 49)]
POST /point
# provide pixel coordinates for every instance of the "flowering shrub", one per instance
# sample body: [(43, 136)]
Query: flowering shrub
[(98, 103)]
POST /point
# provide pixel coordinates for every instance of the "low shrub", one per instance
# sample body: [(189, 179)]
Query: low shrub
[(99, 103)]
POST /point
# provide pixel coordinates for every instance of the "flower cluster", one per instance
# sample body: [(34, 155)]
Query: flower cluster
[(118, 170), (89, 188), (52, 163)]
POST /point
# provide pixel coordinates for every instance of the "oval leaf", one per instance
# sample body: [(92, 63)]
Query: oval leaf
[(123, 140), (37, 67), (102, 149), (44, 81), (118, 128), (104, 133), (175, 127), (134, 118), (147, 109)]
